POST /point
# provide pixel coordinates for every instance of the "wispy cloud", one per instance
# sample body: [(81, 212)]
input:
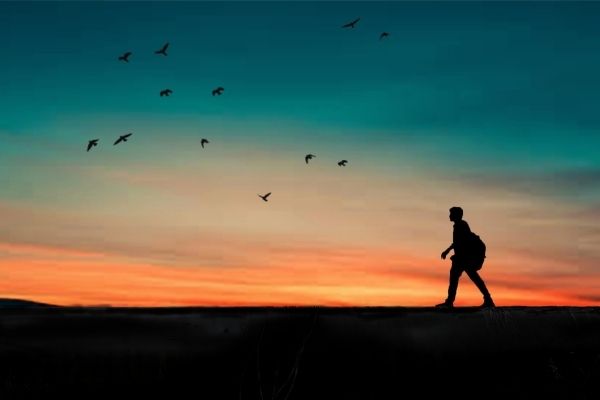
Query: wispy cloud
[(568, 183)]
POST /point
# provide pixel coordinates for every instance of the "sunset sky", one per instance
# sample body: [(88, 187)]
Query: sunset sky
[(491, 107)]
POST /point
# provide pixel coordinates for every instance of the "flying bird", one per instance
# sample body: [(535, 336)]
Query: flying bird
[(92, 143), (125, 57), (264, 197), (166, 92), (351, 24), (163, 49), (218, 91), (122, 138), (383, 35), (309, 157), (343, 163), (203, 142)]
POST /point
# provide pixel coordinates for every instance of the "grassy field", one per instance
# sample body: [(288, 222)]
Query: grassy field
[(300, 353)]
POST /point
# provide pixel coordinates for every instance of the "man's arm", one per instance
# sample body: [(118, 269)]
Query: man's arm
[(445, 253)]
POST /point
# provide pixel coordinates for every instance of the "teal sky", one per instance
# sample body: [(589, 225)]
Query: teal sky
[(506, 89), (521, 76), (490, 105)]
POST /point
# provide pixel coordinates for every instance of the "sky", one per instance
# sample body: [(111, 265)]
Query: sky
[(487, 106)]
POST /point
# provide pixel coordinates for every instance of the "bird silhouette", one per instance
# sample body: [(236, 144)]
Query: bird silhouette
[(122, 138), (203, 142), (166, 92), (92, 143), (351, 24), (163, 50), (125, 57), (383, 35), (309, 157), (343, 163), (264, 197), (218, 91)]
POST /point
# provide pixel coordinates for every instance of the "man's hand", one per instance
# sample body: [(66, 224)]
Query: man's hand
[(444, 254)]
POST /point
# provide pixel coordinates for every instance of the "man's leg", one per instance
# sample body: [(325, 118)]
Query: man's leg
[(476, 278), (455, 273)]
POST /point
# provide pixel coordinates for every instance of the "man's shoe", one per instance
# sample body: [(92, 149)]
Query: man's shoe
[(444, 305), (488, 303)]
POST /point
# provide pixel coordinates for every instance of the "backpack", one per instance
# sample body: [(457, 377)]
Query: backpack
[(476, 252)]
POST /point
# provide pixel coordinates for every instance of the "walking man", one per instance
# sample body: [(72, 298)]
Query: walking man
[(461, 261)]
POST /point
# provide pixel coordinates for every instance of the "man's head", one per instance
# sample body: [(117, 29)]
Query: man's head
[(456, 214)]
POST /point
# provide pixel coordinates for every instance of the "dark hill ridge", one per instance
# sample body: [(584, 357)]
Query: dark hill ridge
[(303, 352), (19, 303)]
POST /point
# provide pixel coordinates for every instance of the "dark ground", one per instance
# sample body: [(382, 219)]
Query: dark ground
[(300, 353)]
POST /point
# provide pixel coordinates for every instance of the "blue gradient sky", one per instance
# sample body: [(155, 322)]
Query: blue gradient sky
[(487, 105), (524, 76)]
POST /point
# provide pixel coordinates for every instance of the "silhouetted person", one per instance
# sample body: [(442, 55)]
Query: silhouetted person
[(351, 24), (309, 157), (92, 143), (122, 138), (265, 197), (166, 92), (460, 261), (218, 91), (383, 35), (163, 50), (125, 57), (343, 163), (203, 142)]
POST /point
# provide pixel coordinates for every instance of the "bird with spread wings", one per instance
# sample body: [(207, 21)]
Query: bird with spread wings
[(122, 138), (163, 50), (351, 24), (265, 196)]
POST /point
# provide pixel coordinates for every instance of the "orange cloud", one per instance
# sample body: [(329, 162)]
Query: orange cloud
[(334, 277), (15, 249), (196, 236)]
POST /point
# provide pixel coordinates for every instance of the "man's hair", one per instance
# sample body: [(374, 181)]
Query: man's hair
[(457, 210)]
